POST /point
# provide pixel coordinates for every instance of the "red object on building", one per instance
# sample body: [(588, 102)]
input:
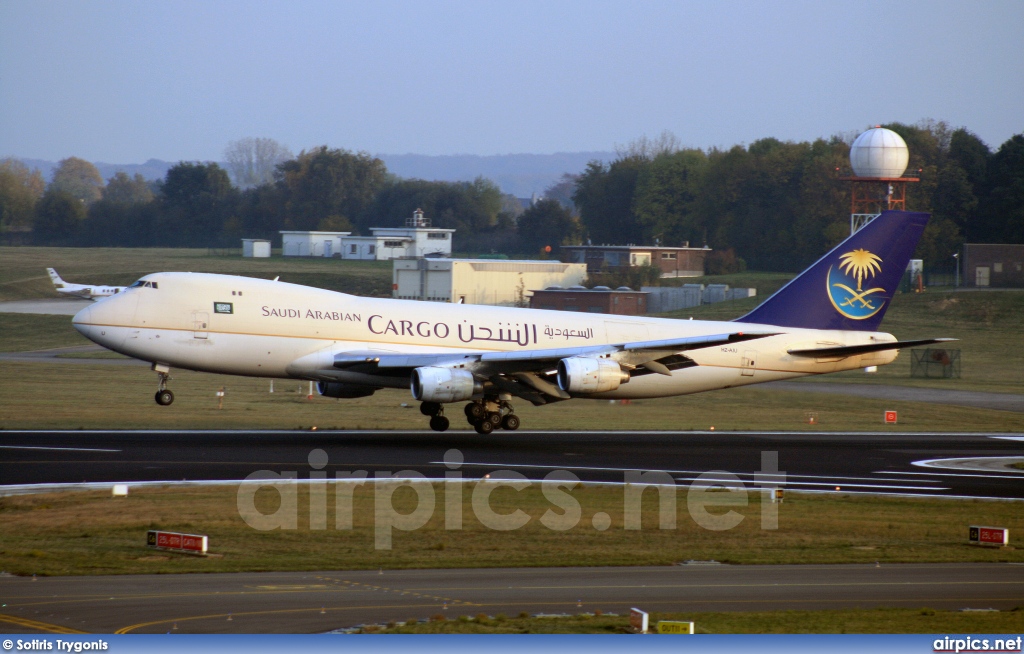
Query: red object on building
[(890, 417)]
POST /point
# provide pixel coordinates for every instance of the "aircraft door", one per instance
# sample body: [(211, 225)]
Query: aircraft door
[(200, 324), (749, 363)]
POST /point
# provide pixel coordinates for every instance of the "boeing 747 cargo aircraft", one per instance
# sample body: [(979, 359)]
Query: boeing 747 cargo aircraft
[(823, 321)]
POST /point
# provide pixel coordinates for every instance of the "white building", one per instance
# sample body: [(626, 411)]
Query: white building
[(311, 244), (481, 281), (255, 247), (416, 239)]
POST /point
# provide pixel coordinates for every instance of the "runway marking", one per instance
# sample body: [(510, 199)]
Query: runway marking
[(528, 432), (788, 483), (672, 472), (947, 474), (130, 628), (966, 463), (63, 449), (1009, 438), (39, 626)]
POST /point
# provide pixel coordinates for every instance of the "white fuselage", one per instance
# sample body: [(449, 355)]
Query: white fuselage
[(253, 327), (89, 292)]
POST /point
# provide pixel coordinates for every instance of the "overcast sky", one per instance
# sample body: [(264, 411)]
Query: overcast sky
[(125, 81)]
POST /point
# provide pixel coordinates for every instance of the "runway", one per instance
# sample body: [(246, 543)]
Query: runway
[(936, 465), (911, 464), (319, 602)]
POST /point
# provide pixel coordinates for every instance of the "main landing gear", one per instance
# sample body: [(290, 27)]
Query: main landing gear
[(163, 396), (484, 415), (491, 413)]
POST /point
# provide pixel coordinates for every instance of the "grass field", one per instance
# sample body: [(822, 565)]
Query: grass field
[(96, 396), (885, 620), (83, 533)]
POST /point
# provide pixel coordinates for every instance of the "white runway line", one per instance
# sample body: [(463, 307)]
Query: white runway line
[(684, 472), (788, 483), (946, 474), (63, 449)]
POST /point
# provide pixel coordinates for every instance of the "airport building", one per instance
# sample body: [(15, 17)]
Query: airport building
[(673, 261), (255, 247), (416, 239), (622, 301), (311, 244), (480, 281), (993, 264)]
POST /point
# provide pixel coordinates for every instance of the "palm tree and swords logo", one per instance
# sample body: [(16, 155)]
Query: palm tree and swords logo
[(855, 267)]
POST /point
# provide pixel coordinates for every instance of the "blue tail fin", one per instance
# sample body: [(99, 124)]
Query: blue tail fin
[(851, 286)]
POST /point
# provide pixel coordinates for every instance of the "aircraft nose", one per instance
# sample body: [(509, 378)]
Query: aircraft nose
[(81, 321)]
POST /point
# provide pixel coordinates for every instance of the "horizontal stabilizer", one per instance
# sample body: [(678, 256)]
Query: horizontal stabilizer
[(853, 350)]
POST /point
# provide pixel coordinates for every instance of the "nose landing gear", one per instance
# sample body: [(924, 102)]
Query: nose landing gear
[(163, 396)]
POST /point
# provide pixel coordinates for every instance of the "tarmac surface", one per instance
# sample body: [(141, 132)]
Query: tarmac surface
[(308, 602), (59, 306), (879, 463)]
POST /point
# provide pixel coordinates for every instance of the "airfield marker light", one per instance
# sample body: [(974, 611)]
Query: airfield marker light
[(313, 428), (712, 428), (837, 488)]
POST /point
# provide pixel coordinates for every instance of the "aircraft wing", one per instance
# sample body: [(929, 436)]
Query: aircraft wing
[(530, 373)]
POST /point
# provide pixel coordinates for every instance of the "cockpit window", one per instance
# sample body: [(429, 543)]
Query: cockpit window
[(137, 284), (144, 284)]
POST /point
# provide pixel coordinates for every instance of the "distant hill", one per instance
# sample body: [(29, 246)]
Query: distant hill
[(521, 175), (152, 169)]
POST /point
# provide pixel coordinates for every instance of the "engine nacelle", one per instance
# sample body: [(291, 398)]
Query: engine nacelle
[(585, 375), (338, 389), (435, 384)]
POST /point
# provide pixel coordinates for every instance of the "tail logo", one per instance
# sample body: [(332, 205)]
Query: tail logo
[(845, 285)]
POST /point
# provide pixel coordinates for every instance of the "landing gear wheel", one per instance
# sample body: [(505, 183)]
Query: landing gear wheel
[(510, 422), (475, 411), (439, 423), (430, 408), (485, 427), (494, 419), (164, 397)]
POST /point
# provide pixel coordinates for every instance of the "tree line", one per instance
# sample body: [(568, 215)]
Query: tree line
[(778, 206), (771, 205)]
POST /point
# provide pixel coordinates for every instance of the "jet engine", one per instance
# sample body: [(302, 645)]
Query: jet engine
[(338, 389), (435, 384), (586, 375)]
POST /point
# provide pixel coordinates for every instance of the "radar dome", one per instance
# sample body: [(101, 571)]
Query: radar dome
[(879, 152)]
